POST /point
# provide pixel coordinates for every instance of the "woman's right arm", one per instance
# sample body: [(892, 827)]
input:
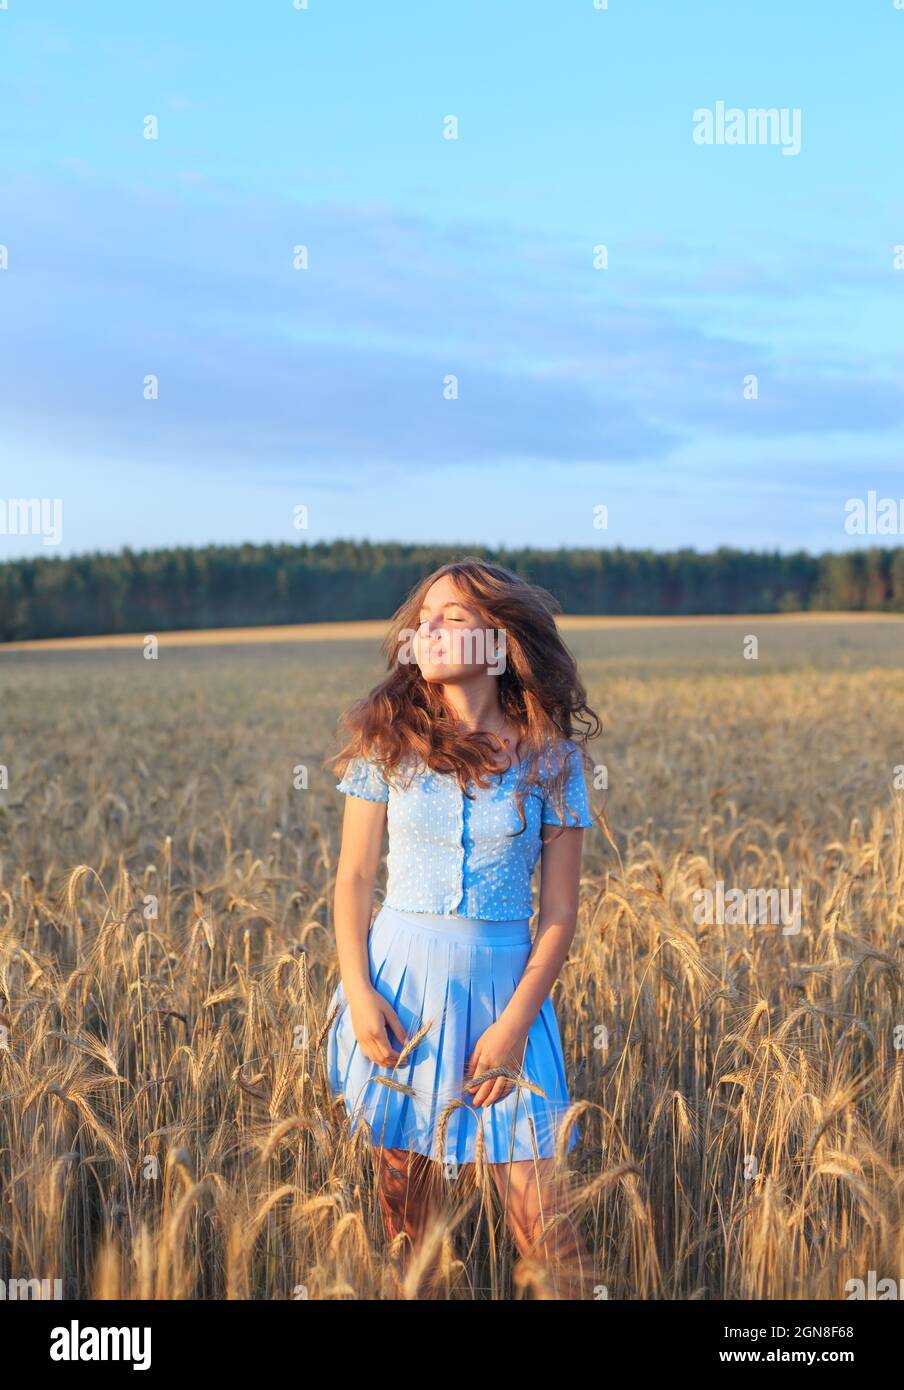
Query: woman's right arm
[(362, 842)]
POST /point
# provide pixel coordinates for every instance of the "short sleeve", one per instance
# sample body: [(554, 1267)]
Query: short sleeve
[(363, 779), (577, 806)]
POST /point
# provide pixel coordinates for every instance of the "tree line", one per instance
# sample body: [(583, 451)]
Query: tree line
[(253, 585)]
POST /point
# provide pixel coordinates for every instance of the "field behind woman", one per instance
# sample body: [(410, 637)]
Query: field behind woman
[(168, 840)]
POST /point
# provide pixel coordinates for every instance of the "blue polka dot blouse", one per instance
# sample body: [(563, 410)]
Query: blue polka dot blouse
[(450, 854)]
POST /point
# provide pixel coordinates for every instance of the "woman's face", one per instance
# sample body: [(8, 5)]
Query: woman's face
[(452, 642)]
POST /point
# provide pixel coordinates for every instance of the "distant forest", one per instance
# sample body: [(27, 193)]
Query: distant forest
[(251, 585)]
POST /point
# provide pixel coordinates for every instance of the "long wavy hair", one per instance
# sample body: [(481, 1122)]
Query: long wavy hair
[(405, 720)]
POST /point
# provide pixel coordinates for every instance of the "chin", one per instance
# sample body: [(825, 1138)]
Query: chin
[(436, 673)]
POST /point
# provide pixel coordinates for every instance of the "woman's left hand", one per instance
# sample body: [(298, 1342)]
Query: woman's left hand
[(499, 1046)]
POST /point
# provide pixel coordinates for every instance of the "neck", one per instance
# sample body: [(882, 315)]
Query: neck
[(475, 703)]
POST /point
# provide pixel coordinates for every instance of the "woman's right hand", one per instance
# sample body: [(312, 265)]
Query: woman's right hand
[(371, 1015)]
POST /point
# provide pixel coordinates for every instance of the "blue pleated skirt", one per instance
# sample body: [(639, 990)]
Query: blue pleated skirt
[(458, 974)]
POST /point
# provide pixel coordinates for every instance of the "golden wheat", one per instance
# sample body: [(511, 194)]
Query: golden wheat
[(166, 960)]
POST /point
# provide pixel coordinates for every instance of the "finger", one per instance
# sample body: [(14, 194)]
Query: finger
[(490, 1096), (500, 1088), (392, 1020), (378, 1051), (482, 1091)]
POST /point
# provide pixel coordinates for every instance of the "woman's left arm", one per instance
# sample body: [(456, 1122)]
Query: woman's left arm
[(502, 1045)]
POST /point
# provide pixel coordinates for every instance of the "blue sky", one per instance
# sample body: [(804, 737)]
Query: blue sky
[(428, 258)]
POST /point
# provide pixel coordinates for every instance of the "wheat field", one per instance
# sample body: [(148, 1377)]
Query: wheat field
[(166, 957)]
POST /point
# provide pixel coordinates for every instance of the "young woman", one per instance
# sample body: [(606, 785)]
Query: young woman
[(466, 750)]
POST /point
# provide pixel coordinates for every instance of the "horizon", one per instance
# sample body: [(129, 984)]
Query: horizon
[(461, 547)]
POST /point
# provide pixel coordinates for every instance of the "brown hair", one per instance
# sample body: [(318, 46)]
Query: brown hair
[(539, 690)]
